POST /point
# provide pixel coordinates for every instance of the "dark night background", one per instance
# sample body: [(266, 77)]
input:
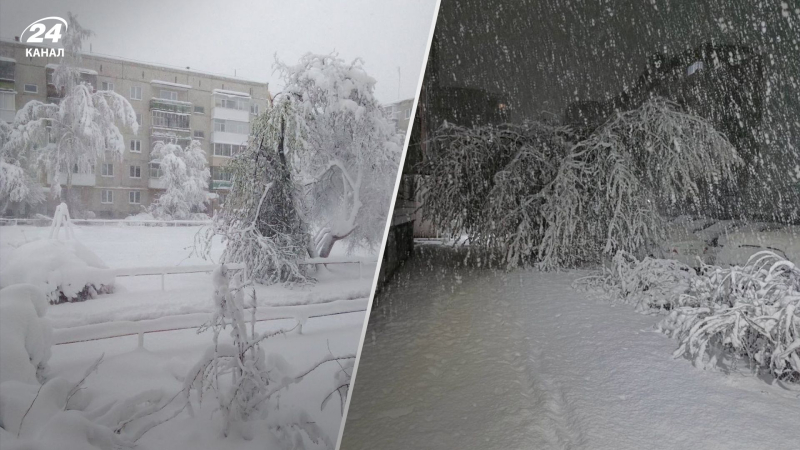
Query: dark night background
[(540, 55)]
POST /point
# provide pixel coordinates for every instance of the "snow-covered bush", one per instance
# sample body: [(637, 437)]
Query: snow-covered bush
[(185, 175), (485, 182), (25, 337), (66, 271), (651, 284), (612, 188), (246, 382), (750, 312)]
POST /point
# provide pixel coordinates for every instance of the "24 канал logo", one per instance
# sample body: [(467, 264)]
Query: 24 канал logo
[(47, 31)]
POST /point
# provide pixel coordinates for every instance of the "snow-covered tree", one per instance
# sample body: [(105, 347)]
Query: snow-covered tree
[(185, 174), (612, 190), (535, 194), (73, 134), (262, 221), (349, 156), (485, 182), (322, 156)]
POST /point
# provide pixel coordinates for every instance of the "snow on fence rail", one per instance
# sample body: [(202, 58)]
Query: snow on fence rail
[(340, 260), (45, 222), (110, 330), (163, 271)]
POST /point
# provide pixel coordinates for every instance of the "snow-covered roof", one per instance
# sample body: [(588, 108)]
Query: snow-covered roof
[(81, 70), (4, 58), (227, 92), (167, 83)]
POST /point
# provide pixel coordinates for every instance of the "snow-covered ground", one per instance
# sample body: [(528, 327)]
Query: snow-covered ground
[(167, 356), (458, 357)]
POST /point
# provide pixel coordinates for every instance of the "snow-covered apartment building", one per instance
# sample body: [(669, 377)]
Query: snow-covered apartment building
[(170, 104)]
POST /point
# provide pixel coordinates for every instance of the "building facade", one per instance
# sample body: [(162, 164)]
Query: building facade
[(172, 105), (400, 114)]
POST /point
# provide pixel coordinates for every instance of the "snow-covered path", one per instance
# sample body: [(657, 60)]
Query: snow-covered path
[(476, 359)]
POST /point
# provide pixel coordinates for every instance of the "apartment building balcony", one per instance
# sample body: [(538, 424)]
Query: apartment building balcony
[(172, 106), (220, 185), (78, 179), (157, 183)]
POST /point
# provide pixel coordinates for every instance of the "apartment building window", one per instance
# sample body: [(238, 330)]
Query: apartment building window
[(31, 89), (139, 118), (136, 92), (107, 86), (107, 196), (227, 149), (75, 169), (107, 170), (241, 104), (168, 95), (136, 146), (199, 134), (135, 172), (7, 101), (254, 109), (155, 170), (199, 109), (166, 119), (134, 197), (408, 113), (231, 126), (220, 174)]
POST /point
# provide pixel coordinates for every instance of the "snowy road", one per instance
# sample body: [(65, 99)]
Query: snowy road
[(476, 359)]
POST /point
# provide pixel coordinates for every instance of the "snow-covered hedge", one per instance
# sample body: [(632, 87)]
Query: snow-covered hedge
[(66, 271), (750, 312)]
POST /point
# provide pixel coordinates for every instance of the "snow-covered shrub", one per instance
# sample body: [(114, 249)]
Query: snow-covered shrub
[(246, 382), (485, 182), (750, 312), (66, 271), (185, 176), (25, 337), (652, 284), (612, 188)]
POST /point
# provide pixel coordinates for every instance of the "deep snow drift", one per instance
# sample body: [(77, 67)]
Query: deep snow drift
[(324, 319), (458, 357)]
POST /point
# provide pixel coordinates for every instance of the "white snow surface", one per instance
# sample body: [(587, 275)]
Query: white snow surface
[(469, 358), (159, 366), (141, 298)]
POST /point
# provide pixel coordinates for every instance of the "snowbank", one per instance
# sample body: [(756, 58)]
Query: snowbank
[(65, 271), (25, 338)]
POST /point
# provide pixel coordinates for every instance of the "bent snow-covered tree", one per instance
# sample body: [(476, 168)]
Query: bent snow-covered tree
[(484, 182), (533, 194), (70, 136), (350, 152), (185, 175), (262, 220), (613, 188)]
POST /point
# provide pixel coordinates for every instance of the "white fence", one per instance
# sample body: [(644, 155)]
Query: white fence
[(45, 222), (171, 270)]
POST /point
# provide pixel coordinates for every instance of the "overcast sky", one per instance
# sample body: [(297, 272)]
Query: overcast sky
[(220, 36)]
